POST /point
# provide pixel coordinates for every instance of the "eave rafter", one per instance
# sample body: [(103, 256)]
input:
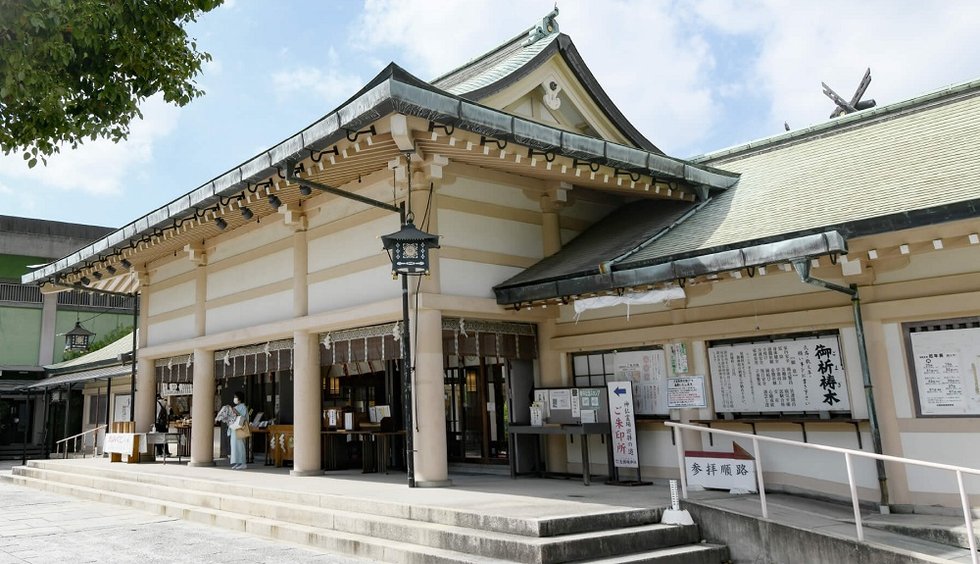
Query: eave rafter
[(343, 165)]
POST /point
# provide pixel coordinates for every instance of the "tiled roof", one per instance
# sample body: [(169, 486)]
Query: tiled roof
[(106, 353), (616, 234), (493, 66), (897, 159)]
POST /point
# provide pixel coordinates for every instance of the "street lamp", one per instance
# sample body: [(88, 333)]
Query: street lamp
[(408, 249), (78, 338)]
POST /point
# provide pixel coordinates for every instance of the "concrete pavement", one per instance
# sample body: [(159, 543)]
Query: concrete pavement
[(38, 528)]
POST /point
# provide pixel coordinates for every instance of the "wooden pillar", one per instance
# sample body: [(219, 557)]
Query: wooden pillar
[(202, 412), (306, 405)]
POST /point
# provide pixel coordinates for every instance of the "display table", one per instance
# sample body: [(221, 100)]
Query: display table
[(164, 439), (581, 431)]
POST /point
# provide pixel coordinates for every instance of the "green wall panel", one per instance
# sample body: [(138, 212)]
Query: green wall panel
[(101, 324), (20, 335)]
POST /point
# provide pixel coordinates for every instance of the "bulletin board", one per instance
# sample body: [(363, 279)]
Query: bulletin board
[(568, 405), (647, 370), (945, 368), (779, 375)]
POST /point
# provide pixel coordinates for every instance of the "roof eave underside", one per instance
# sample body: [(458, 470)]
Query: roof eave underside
[(396, 91), (716, 260), (803, 247)]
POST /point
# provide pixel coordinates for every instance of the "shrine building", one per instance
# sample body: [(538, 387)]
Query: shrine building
[(802, 286)]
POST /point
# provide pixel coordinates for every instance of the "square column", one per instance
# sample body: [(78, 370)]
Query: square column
[(431, 457), (306, 405), (202, 412)]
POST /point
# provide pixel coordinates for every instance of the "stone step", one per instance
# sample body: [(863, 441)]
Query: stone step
[(537, 527), (505, 546), (701, 553), (383, 550)]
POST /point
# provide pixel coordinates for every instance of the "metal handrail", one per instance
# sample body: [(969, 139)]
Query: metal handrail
[(848, 454), (76, 439)]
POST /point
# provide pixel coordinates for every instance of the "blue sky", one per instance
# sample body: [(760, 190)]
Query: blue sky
[(693, 76)]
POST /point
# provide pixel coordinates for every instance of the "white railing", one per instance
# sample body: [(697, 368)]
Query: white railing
[(849, 454), (78, 437)]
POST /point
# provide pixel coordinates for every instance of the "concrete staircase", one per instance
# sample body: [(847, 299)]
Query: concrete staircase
[(383, 530)]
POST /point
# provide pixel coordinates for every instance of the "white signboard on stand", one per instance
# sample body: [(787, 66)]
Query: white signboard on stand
[(623, 425), (734, 471)]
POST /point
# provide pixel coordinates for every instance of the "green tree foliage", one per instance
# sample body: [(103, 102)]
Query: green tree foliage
[(108, 339), (77, 69)]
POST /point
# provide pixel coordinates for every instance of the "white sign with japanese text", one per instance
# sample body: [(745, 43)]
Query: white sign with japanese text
[(720, 471), (686, 391), (947, 371), (805, 374), (623, 425), (647, 370)]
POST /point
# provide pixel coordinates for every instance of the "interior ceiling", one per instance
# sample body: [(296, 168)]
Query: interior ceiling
[(345, 163)]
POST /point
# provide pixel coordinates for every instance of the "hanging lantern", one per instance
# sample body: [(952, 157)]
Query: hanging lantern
[(408, 249), (78, 338)]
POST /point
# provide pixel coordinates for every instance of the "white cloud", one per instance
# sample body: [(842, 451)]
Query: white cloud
[(656, 70), (911, 48), (661, 61), (98, 167), (331, 84)]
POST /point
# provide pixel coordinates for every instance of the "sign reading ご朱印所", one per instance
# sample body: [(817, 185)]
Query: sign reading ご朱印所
[(623, 424)]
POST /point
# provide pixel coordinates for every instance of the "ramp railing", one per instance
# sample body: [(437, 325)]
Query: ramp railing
[(74, 440), (848, 454)]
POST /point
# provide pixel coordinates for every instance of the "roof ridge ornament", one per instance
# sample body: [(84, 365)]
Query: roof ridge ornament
[(547, 26)]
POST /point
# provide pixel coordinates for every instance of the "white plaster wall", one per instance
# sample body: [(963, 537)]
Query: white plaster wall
[(172, 268), (852, 370), (251, 274), (491, 192), (332, 208), (171, 330), (587, 209), (357, 288), (174, 297), (472, 279), (350, 244), (934, 265), (958, 449), (471, 231), (247, 313), (269, 231), (807, 462)]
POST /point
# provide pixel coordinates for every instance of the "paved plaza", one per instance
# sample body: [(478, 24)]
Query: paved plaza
[(38, 527)]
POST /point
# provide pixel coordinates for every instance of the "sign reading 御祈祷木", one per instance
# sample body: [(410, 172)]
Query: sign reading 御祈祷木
[(805, 374)]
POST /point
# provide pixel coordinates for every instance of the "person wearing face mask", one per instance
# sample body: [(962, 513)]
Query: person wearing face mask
[(238, 443)]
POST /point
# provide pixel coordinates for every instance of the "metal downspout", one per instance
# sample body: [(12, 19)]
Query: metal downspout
[(803, 269)]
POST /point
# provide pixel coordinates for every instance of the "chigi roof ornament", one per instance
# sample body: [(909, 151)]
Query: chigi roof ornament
[(546, 27)]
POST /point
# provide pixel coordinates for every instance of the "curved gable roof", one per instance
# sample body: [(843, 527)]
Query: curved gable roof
[(506, 64)]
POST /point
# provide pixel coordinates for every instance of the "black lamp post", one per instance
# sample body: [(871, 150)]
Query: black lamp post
[(408, 249), (78, 338)]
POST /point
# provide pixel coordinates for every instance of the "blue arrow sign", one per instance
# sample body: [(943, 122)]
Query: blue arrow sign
[(619, 391)]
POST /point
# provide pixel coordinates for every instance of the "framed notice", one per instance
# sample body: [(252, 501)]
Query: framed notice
[(122, 407), (687, 391), (647, 371), (803, 374), (946, 370)]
